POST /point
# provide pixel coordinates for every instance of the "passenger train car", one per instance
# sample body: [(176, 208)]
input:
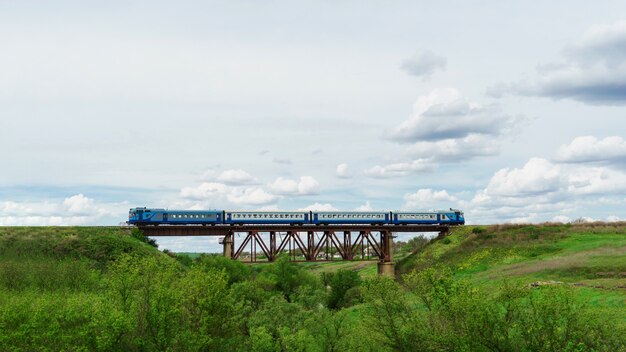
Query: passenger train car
[(156, 216)]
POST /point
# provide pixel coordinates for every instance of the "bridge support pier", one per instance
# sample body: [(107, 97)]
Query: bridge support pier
[(227, 242), (386, 269), (386, 266)]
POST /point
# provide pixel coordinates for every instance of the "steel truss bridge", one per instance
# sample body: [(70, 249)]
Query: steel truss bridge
[(302, 242)]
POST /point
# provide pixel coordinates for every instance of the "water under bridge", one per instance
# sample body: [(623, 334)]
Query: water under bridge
[(302, 242)]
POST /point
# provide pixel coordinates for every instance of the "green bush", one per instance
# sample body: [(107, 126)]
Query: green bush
[(344, 289), (479, 230)]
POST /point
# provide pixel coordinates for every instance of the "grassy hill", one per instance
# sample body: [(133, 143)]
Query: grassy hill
[(590, 257)]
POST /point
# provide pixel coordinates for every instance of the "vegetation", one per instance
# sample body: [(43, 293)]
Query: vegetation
[(497, 288)]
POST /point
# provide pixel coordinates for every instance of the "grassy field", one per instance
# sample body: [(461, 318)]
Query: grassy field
[(590, 257)]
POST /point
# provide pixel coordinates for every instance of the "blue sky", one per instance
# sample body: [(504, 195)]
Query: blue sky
[(512, 111)]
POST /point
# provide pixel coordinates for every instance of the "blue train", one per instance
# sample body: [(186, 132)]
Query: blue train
[(150, 216)]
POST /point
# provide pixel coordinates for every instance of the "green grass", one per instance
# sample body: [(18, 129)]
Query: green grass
[(68, 259), (591, 257), (192, 255)]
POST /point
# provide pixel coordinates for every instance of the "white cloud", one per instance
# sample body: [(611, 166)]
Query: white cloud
[(538, 176), (343, 171), (74, 210), (319, 207), (590, 149), (423, 64), (592, 71), (426, 198), (561, 218), (447, 127), (79, 204), (546, 189), (400, 169), (206, 190), (455, 149), (305, 186), (235, 177), (219, 195), (251, 196), (445, 114), (365, 207)]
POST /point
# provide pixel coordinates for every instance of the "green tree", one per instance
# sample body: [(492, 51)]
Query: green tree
[(341, 282), (391, 316), (287, 277), (236, 271)]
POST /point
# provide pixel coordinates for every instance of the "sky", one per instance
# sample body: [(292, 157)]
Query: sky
[(513, 112)]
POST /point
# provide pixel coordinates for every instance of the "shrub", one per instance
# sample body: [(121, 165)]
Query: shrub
[(418, 243), (479, 230), (342, 283)]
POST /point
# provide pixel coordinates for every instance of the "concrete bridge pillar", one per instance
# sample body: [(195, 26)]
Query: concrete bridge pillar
[(227, 242), (386, 269), (386, 266)]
